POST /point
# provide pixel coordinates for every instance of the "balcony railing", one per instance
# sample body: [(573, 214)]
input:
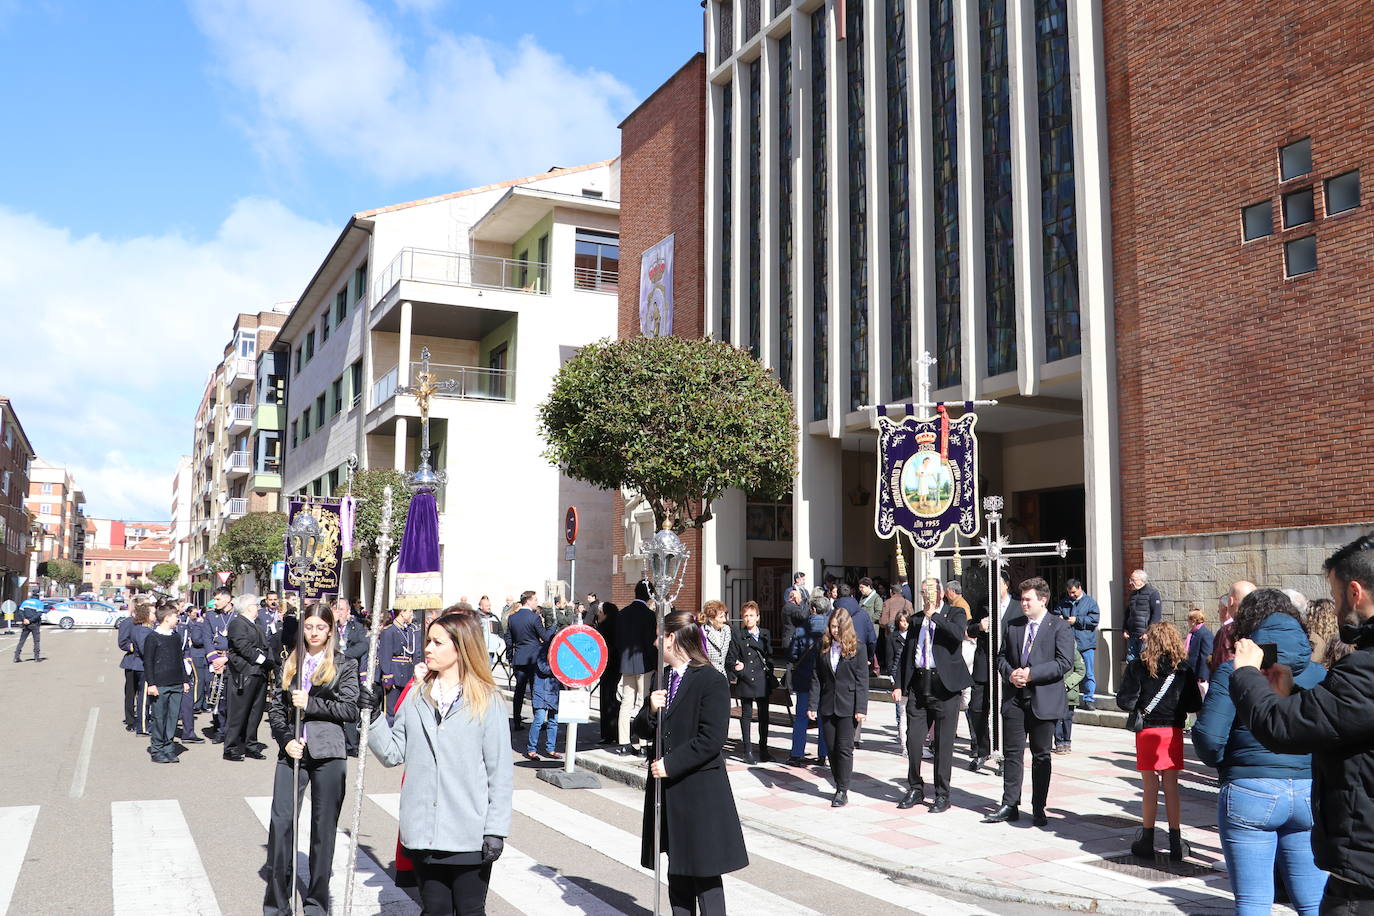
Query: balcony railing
[(239, 462), (385, 387), (472, 383), (596, 280), (236, 507), (453, 268), (239, 369), (240, 413)]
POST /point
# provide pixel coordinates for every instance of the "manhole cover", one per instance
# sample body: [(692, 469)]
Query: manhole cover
[(1161, 869)]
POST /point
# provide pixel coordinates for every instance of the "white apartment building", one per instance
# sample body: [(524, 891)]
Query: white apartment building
[(502, 284)]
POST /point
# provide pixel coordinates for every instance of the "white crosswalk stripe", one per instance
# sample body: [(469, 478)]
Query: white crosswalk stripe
[(373, 889), (623, 847), (145, 832), (16, 826), (524, 883)]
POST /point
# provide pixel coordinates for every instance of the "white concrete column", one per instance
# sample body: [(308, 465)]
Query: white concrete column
[(403, 350), (1025, 193), (818, 506), (973, 349), (722, 545), (399, 452)]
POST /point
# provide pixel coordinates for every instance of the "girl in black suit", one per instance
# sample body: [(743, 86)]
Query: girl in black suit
[(749, 663), (700, 827), (840, 680), (323, 685)]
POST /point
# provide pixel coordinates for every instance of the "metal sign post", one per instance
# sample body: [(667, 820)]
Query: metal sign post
[(578, 658), (570, 527)]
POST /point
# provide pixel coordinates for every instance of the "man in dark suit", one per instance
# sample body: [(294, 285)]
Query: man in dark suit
[(931, 675), (526, 633), (250, 666), (1035, 654), (636, 628), (980, 697)]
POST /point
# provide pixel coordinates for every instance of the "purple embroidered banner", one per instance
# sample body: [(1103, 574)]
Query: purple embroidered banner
[(927, 478), (321, 580)]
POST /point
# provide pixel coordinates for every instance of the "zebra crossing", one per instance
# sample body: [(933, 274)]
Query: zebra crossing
[(157, 831)]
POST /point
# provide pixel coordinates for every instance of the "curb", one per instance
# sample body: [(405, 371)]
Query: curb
[(635, 778)]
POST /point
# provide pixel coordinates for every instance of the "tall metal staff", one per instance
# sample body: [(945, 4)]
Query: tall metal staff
[(379, 589), (665, 557)]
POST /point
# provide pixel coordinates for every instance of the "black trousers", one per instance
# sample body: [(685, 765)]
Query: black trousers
[(746, 722), (689, 895), (921, 714), (1018, 724), (609, 705), (29, 629), (245, 714), (201, 685), (162, 722), (327, 780), (452, 889), (1342, 898), (524, 676), (839, 739), (131, 679), (188, 707), (979, 722)]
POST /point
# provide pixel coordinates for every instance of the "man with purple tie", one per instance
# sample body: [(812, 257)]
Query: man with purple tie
[(1036, 652)]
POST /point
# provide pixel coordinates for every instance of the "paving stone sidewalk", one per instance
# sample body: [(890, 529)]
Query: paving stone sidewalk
[(1080, 861)]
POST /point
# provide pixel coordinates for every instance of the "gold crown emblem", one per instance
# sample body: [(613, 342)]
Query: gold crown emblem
[(925, 437)]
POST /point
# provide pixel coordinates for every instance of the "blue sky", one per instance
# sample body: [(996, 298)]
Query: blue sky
[(168, 165)]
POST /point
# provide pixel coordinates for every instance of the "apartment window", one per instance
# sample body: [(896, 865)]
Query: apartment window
[(1298, 208), (298, 362), (1300, 256), (337, 392), (522, 270), (305, 425), (45, 509), (592, 192), (1295, 159), (1342, 193), (333, 482), (596, 261), (319, 411), (47, 488), (309, 346), (541, 283), (9, 427), (295, 428), (269, 452), (324, 326), (1257, 221), (248, 344), (355, 382), (341, 305), (5, 483), (317, 488), (360, 281)]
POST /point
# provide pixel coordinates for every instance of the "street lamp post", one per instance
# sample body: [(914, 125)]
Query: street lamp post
[(665, 559)]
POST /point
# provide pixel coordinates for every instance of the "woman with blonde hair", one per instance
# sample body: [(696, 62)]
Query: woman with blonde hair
[(307, 711), (1158, 691), (1322, 627), (715, 634), (453, 723), (840, 680)]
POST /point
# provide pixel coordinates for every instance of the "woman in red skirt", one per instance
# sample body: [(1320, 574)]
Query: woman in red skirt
[(1162, 689)]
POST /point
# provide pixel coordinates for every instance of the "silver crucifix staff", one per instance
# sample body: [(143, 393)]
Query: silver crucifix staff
[(425, 387)]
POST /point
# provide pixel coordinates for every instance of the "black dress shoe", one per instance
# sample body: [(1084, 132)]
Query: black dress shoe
[(1004, 813), (977, 764), (941, 804), (1038, 818), (194, 739), (41, 659), (913, 797), (256, 755), (840, 799), (257, 746), (795, 762), (749, 759), (765, 756), (236, 758), (218, 739)]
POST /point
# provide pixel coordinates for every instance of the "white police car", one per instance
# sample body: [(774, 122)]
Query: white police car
[(83, 613)]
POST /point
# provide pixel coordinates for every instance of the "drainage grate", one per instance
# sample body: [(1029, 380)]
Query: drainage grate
[(1160, 870)]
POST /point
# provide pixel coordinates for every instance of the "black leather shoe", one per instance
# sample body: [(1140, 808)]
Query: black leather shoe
[(840, 799), (795, 762), (256, 755), (218, 739), (765, 756), (749, 759), (977, 764), (193, 739), (941, 804), (256, 746), (1004, 813), (1038, 818), (236, 758), (913, 797)]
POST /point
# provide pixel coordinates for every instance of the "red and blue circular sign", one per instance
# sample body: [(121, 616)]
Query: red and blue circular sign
[(577, 655)]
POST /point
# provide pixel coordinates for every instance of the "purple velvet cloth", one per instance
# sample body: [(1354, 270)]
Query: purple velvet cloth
[(420, 543)]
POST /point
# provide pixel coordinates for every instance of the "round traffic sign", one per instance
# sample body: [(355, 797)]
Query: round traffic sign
[(577, 655), (570, 524)]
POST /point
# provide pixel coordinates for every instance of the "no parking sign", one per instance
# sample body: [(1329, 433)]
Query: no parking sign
[(578, 655)]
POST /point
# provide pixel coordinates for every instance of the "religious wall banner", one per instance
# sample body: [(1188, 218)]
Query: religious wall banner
[(656, 290), (927, 476), (314, 552)]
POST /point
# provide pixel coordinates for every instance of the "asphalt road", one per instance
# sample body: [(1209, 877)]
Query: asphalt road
[(109, 832)]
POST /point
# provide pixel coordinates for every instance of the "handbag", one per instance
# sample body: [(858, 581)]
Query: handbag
[(1136, 720)]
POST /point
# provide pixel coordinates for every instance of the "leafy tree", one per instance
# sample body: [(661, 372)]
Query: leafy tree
[(64, 571), (107, 584), (679, 420), (254, 542), (165, 574), (367, 524), (139, 585)]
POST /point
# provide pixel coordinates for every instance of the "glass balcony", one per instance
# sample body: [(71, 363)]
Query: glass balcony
[(452, 268)]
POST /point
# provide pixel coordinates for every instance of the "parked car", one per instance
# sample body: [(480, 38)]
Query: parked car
[(70, 614)]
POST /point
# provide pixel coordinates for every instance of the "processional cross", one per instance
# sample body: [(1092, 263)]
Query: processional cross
[(425, 388)]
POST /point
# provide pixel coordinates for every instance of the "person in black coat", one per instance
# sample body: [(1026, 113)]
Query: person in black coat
[(698, 823), (608, 685), (839, 689), (749, 663), (1036, 652), (1200, 642), (250, 665), (526, 634), (980, 697), (320, 686), (636, 629), (931, 677)]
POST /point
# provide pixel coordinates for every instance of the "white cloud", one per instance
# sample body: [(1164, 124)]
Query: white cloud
[(335, 75), (112, 340)]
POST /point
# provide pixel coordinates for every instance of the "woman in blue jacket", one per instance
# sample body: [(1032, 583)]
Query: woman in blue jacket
[(1265, 803), (805, 645)]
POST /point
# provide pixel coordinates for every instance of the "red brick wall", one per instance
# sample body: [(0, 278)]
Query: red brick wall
[(1245, 397), (662, 189)]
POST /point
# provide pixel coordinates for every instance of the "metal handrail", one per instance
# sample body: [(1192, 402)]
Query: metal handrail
[(456, 268), (474, 383), (239, 461), (598, 280), (236, 506), (240, 413)]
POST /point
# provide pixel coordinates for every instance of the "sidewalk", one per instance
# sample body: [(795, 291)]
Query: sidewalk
[(1081, 861)]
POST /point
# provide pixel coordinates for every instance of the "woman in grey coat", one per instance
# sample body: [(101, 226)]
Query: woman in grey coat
[(454, 724)]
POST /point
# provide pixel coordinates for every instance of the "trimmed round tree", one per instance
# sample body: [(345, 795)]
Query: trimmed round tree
[(678, 420)]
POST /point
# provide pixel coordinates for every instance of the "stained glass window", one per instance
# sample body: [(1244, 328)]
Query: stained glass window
[(727, 207), (751, 17), (725, 31), (820, 235), (1058, 209), (998, 247), (898, 199), (785, 210), (755, 329), (858, 208), (944, 112)]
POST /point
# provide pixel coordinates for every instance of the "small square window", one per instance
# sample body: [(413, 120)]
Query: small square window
[(1295, 159), (1343, 192), (1257, 221), (1300, 256), (1297, 208)]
